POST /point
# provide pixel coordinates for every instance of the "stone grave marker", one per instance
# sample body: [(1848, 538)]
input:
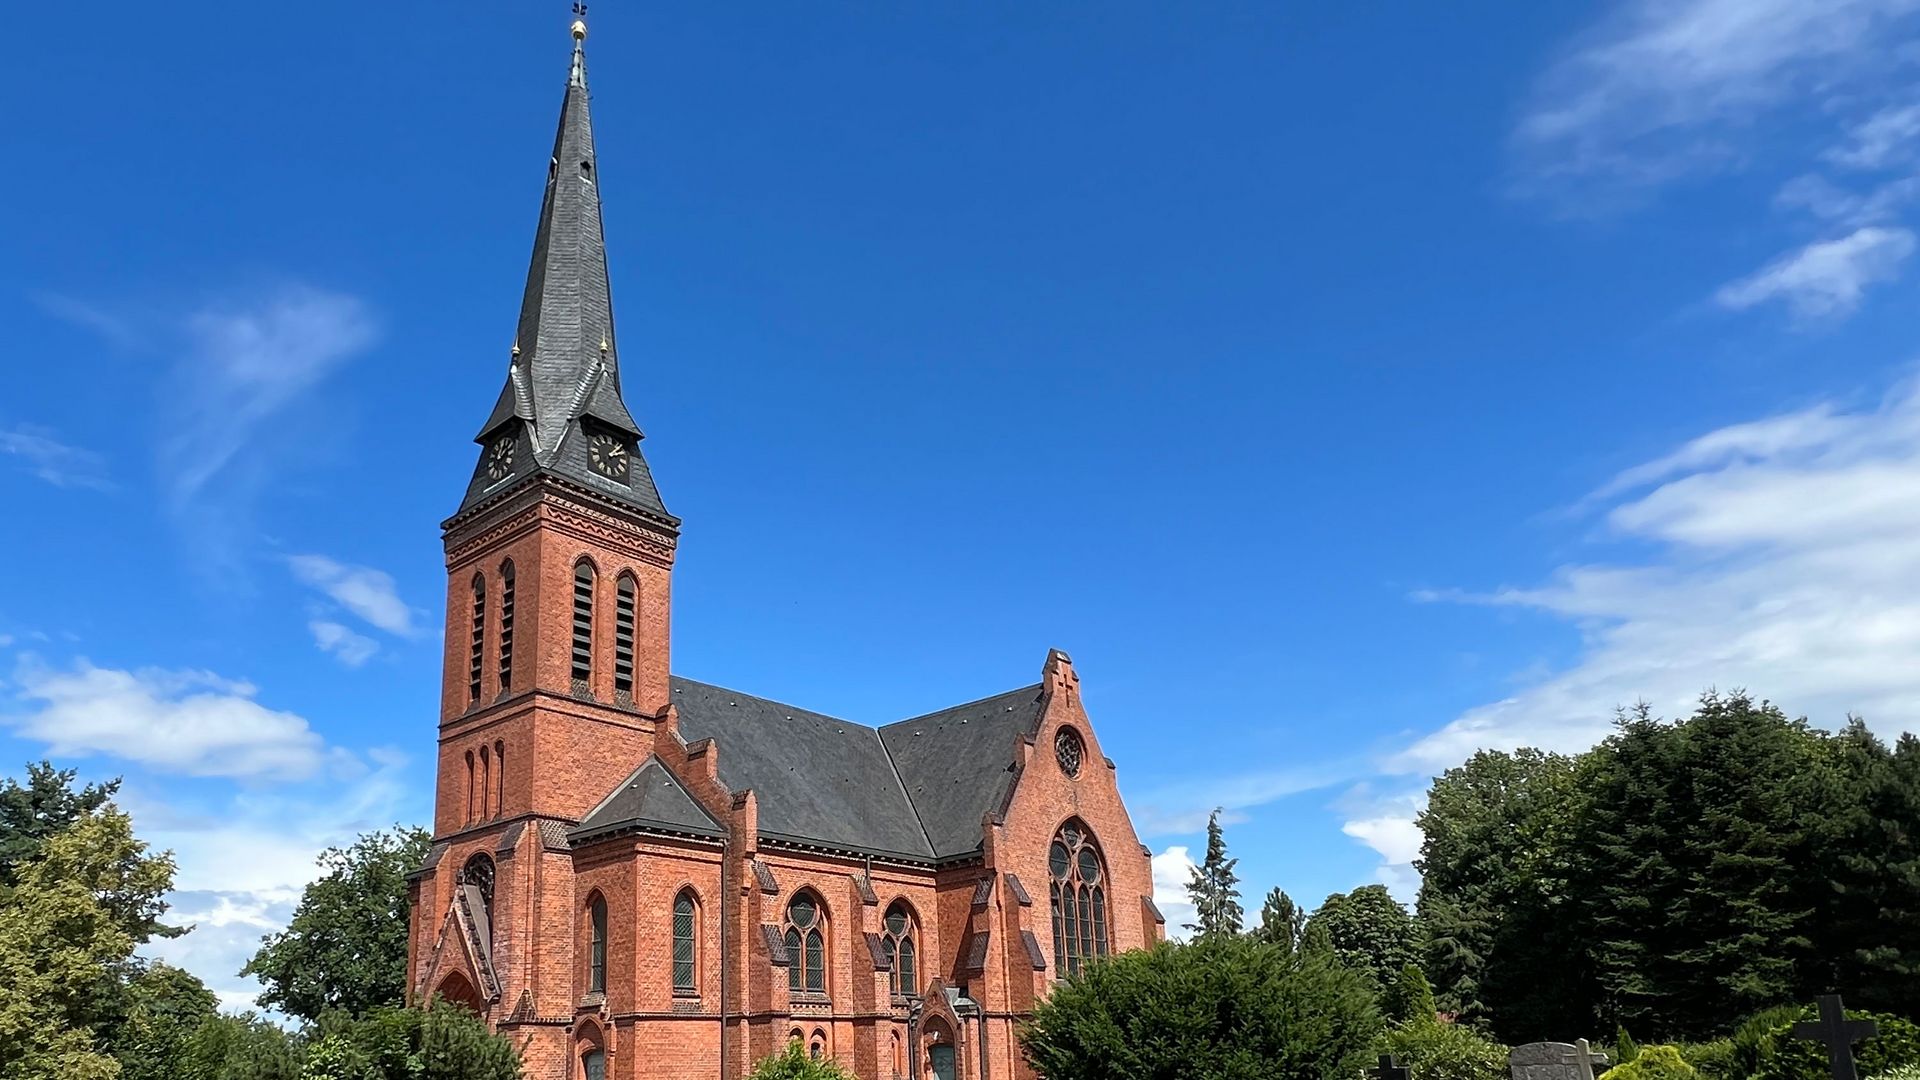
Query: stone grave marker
[(1546, 1061), (1839, 1033)]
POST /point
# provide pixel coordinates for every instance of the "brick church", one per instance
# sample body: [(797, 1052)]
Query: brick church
[(641, 876)]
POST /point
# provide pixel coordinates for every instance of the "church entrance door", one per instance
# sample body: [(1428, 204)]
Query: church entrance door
[(942, 1062)]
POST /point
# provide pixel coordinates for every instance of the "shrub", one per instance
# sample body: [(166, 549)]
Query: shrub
[(794, 1064), (1783, 1057), (1653, 1063), (1410, 998), (1432, 1050), (1221, 1008), (1713, 1060), (1903, 1072), (1624, 1048)]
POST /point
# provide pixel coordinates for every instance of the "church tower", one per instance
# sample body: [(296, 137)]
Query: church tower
[(560, 557)]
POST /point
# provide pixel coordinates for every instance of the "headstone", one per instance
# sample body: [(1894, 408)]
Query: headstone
[(1545, 1061), (1584, 1058), (1387, 1070), (1839, 1033)]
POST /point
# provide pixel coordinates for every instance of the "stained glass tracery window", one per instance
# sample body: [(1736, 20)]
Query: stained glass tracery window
[(1077, 892), (806, 946)]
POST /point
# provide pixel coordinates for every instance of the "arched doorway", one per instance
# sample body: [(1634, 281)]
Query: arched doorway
[(938, 1045), (457, 989)]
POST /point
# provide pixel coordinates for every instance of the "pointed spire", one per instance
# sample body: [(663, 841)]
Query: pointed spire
[(563, 384)]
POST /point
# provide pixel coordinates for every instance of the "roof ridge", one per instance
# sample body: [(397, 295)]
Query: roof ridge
[(912, 806), (964, 704)]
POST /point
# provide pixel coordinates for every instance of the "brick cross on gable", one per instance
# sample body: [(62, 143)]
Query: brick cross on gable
[(1839, 1033)]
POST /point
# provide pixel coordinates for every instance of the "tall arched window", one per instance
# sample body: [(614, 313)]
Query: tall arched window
[(597, 958), (486, 782), (686, 969), (478, 872), (473, 791), (896, 943), (478, 648), (806, 945), (500, 781), (583, 624), (623, 610), (1079, 898), (506, 626)]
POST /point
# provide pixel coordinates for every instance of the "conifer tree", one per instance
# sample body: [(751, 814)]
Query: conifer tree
[(1281, 922), (1215, 888)]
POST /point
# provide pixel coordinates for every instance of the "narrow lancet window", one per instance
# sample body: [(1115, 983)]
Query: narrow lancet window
[(597, 965), (684, 944), (623, 613), (583, 625), (506, 626), (479, 643)]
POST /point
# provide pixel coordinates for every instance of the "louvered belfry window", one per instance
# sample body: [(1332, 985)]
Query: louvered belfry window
[(684, 973), (1079, 900), (506, 626), (479, 643), (583, 623), (623, 612)]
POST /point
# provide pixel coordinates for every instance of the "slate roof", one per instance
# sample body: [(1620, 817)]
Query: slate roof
[(652, 798), (916, 790), (563, 381)]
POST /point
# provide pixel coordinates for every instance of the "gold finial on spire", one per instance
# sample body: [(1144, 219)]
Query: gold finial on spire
[(579, 22)]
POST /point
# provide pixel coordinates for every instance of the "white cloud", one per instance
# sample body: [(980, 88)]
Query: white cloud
[(1386, 824), (1179, 808), (366, 592), (1883, 139), (232, 903), (348, 647), (1666, 87), (46, 457), (1172, 871), (1827, 277), (1832, 203), (1784, 564), (190, 722)]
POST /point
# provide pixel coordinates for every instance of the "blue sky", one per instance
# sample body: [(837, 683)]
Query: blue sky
[(1345, 389)]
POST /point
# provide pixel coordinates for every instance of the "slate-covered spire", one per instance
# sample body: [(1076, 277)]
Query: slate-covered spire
[(561, 407)]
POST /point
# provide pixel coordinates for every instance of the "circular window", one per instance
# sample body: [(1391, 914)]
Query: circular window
[(1068, 750), (1060, 860), (801, 912)]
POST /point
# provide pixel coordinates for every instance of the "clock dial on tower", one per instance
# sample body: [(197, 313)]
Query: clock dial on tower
[(608, 456), (500, 457)]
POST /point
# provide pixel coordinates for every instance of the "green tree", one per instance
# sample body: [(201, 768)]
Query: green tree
[(239, 1048), (1494, 896), (345, 949), (1371, 933), (161, 1010), (1281, 922), (1705, 850), (794, 1064), (46, 804), (1873, 932), (1224, 1007), (64, 931), (1653, 1063), (441, 1042), (1409, 999), (1215, 888)]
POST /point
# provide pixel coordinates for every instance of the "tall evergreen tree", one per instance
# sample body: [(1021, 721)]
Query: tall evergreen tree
[(43, 806), (1281, 921), (1215, 888), (1873, 939)]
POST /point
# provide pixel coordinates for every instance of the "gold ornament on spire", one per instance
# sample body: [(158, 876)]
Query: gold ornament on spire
[(579, 22)]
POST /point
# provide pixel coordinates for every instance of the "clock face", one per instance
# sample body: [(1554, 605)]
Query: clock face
[(500, 457), (608, 455)]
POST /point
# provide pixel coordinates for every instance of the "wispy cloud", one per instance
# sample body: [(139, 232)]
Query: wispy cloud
[(186, 722), (1784, 563), (1825, 278), (368, 593), (348, 647), (1663, 88), (1182, 808), (1385, 823), (1883, 139), (38, 452), (246, 361)]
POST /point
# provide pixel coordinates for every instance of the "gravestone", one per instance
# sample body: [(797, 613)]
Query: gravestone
[(1838, 1033), (1545, 1061), (1388, 1069), (1586, 1059)]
